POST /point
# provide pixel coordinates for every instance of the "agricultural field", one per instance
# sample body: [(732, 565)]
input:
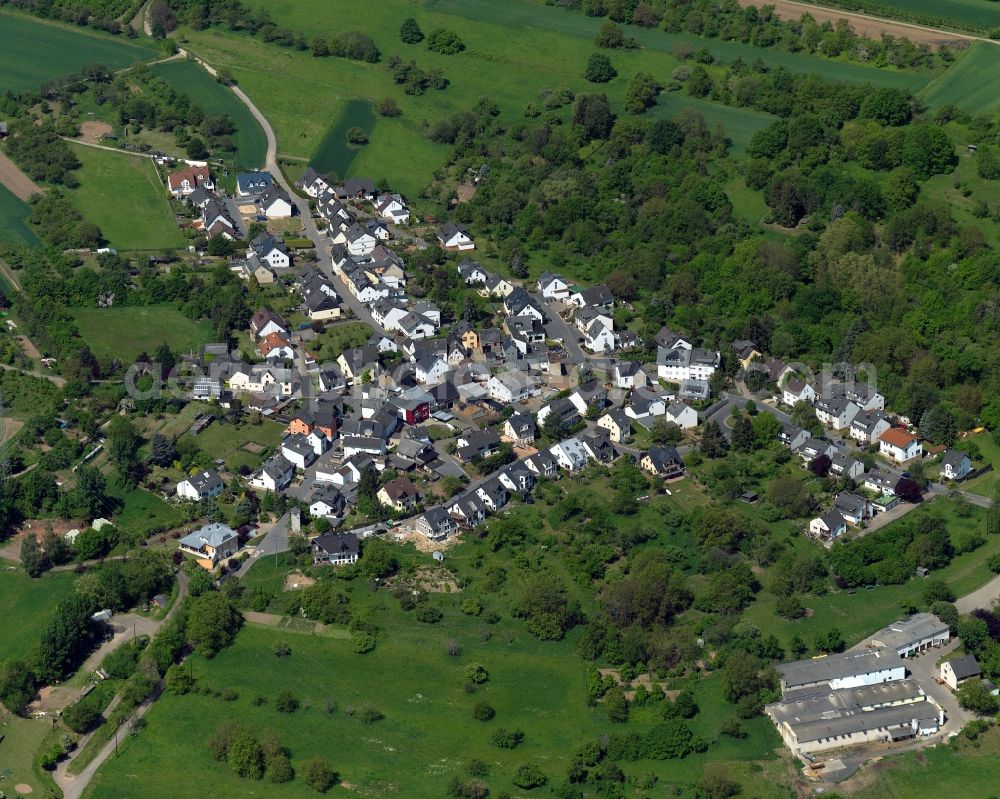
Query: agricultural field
[(25, 606), (123, 196), (34, 51), (971, 15), (124, 333), (969, 83), (214, 98), (14, 227), (334, 153)]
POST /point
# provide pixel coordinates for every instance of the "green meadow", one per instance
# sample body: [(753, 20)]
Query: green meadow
[(971, 83), (33, 51), (214, 98), (26, 604), (973, 15), (335, 154), (126, 332), (123, 196), (740, 124)]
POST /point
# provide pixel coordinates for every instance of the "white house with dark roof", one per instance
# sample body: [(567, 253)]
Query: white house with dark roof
[(682, 364), (336, 549), (270, 251), (796, 390), (392, 207), (274, 203), (553, 287), (835, 412), (955, 465), (868, 426), (203, 485), (454, 236), (684, 416)]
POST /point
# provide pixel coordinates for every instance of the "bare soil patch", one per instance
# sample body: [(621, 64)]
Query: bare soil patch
[(645, 680), (465, 192), (864, 25), (20, 185), (28, 348), (296, 580), (10, 428), (253, 447), (24, 788), (94, 130)]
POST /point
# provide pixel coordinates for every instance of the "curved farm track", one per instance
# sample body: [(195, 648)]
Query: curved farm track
[(865, 25)]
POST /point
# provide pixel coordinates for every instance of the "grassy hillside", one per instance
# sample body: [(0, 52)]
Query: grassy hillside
[(123, 196), (971, 83), (32, 51), (214, 98), (25, 606), (551, 50)]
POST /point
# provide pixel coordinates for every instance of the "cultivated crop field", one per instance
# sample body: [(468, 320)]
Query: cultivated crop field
[(124, 333), (122, 195), (214, 98), (971, 83), (33, 51), (740, 124), (974, 15), (14, 227), (334, 153)]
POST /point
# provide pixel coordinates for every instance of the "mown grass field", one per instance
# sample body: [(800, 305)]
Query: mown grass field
[(123, 196), (14, 227), (429, 732), (144, 511), (25, 607), (515, 53), (33, 52), (740, 124), (236, 445), (970, 83), (124, 333), (214, 98), (334, 153)]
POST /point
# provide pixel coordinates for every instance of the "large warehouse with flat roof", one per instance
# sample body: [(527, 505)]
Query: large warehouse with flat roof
[(846, 670)]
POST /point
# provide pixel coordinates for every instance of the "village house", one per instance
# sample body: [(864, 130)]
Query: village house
[(796, 390), (663, 462), (570, 454), (955, 465), (553, 287), (598, 297), (313, 183), (868, 426), (543, 464), (436, 524), (829, 526), (684, 416), (899, 445), (694, 390), (185, 181), (270, 251), (493, 494), (274, 346), (454, 236), (275, 475), (392, 207), (854, 508), (471, 273), (265, 322), (335, 549), (210, 544), (516, 477), (629, 374), (366, 445), (746, 351), (520, 429), (203, 485), (274, 203), (792, 436), (836, 412), (813, 448), (681, 363), (843, 464), (298, 451), (957, 671), (399, 494), (519, 303), (326, 502), (617, 423), (509, 387), (250, 184), (468, 510), (477, 444)]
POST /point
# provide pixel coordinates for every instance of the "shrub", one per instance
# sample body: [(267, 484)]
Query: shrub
[(445, 42), (734, 728), (82, 715), (279, 769), (370, 714), (286, 702), (475, 672), (528, 776), (599, 69), (483, 711), (428, 614), (409, 32), (282, 649), (317, 773), (356, 135), (507, 739), (362, 642)]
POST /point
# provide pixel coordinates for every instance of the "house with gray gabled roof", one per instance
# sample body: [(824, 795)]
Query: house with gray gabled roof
[(836, 412), (828, 526), (598, 296), (629, 374), (520, 428), (472, 274), (436, 523), (680, 363), (336, 549), (203, 485), (617, 423), (843, 464), (493, 493), (453, 236), (955, 465), (813, 448), (868, 426), (516, 477), (274, 203), (477, 444), (275, 475), (250, 184), (210, 544), (327, 502), (298, 451), (468, 510), (692, 389), (792, 436), (570, 454), (313, 183), (845, 670), (543, 464), (270, 250), (663, 462)]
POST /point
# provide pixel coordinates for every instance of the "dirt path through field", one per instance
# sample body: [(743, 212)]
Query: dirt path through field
[(20, 185), (864, 25)]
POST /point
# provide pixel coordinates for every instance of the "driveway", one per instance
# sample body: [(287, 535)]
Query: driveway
[(983, 597)]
